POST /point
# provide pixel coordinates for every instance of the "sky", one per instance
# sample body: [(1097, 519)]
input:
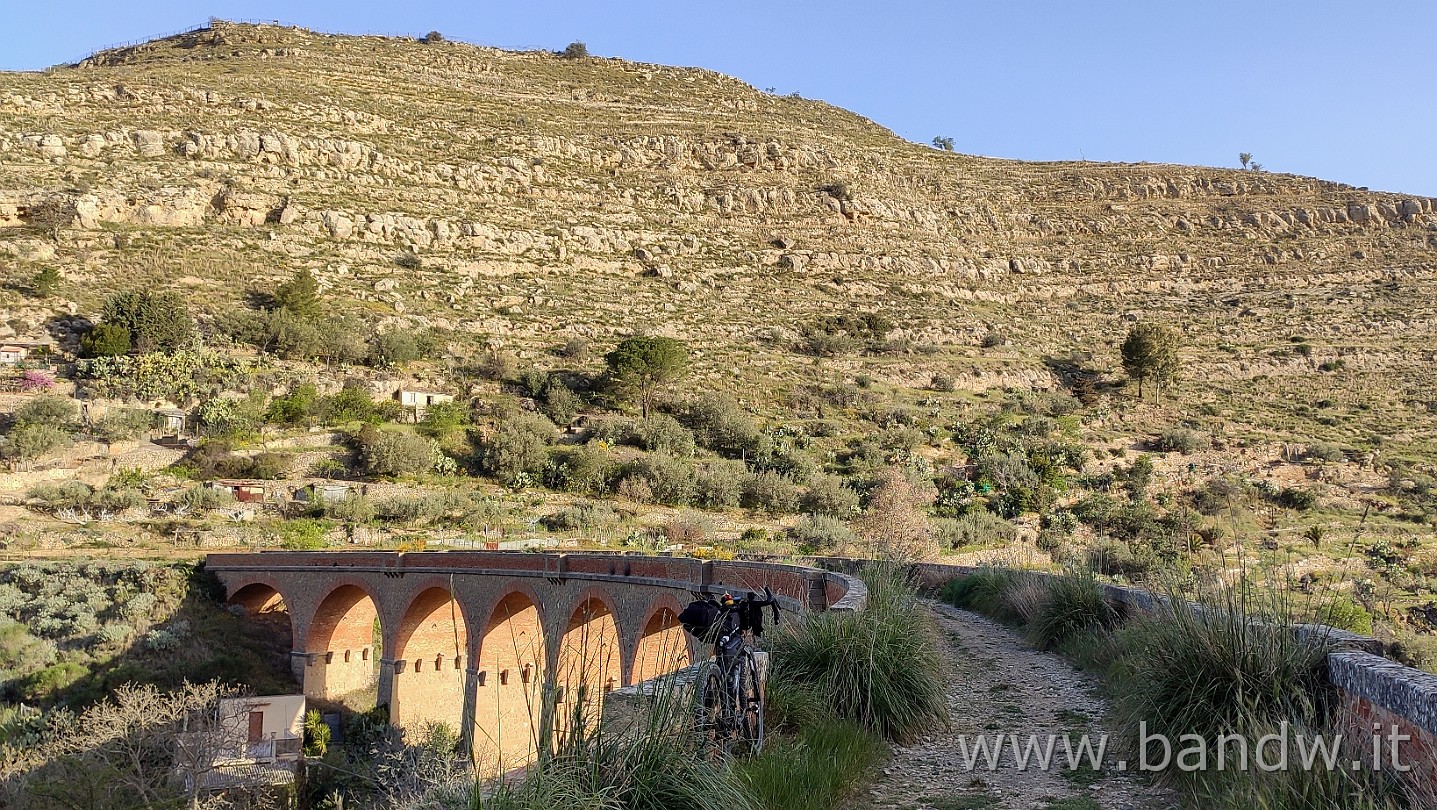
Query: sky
[(1344, 91)]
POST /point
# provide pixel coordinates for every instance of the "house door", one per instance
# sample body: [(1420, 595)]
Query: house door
[(256, 726)]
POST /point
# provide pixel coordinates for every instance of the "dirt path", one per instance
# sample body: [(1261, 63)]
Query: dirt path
[(1001, 685)]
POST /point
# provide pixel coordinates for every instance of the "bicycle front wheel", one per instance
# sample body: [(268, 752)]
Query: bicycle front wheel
[(750, 704), (712, 718)]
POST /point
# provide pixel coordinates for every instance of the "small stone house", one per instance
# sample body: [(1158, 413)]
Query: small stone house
[(417, 401), (12, 354), (254, 742), (171, 421)]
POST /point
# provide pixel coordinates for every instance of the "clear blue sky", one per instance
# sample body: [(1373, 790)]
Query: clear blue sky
[(1341, 90)]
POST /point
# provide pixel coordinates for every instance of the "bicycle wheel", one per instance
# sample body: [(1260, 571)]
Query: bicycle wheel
[(750, 704), (712, 719)]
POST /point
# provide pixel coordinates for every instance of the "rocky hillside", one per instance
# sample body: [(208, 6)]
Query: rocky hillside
[(522, 198)]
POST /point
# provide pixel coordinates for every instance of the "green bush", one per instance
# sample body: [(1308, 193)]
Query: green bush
[(669, 480), (662, 433), (978, 528), (518, 448), (828, 495), (719, 484), (814, 770), (28, 441), (50, 410), (770, 492), (721, 426), (821, 534), (585, 516), (105, 340), (1181, 440), (560, 403), (984, 591), (122, 424), (304, 534), (1323, 451), (881, 667)]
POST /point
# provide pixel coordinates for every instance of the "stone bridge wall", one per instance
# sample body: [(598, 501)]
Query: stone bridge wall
[(495, 644)]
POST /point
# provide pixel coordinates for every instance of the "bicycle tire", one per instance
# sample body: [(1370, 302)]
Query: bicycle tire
[(749, 704), (713, 722)]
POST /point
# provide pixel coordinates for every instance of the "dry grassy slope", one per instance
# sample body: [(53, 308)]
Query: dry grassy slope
[(542, 193)]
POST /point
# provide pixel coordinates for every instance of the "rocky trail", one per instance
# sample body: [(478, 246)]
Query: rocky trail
[(1001, 685)]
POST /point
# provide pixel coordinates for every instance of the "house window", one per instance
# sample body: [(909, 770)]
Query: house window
[(503, 677), (482, 676)]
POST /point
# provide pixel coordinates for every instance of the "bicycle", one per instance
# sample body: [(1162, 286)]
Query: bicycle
[(730, 705)]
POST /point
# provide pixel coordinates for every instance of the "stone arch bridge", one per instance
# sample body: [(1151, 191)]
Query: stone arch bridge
[(493, 643)]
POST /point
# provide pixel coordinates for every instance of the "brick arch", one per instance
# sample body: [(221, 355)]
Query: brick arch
[(343, 664), (508, 681), (430, 643), (590, 659), (663, 645), (263, 601)]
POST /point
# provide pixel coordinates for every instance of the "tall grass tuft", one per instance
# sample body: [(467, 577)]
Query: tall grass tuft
[(1298, 788), (1073, 604), (814, 770), (985, 591), (1225, 667), (881, 667), (656, 765)]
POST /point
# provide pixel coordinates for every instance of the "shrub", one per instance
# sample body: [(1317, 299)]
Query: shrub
[(105, 340), (583, 516), (352, 404), (1218, 671), (304, 534), (719, 484), (943, 382), (443, 419), (155, 321), (984, 591), (1323, 451), (394, 452), (670, 480), (663, 433), (50, 410), (28, 441), (393, 348), (770, 492), (432, 38), (560, 403), (1116, 559), (979, 528), (828, 495), (814, 770), (517, 447), (32, 381), (1181, 440), (881, 667), (589, 469), (1345, 614), (575, 50), (122, 424), (1292, 498), (721, 426), (821, 534)]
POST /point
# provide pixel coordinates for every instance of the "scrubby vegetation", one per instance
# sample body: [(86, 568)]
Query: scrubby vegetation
[(1232, 664)]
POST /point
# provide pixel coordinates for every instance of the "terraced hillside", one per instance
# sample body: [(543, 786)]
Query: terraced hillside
[(595, 196), (517, 201)]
